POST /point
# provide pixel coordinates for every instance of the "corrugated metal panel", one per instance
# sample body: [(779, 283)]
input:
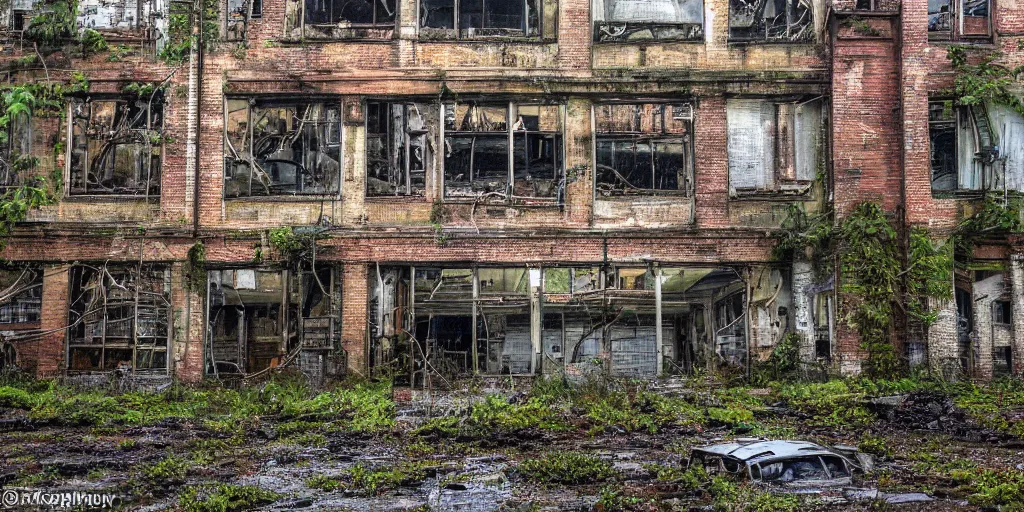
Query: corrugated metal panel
[(751, 147)]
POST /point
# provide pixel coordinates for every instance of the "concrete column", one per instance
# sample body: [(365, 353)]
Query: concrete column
[(536, 320), (985, 292), (188, 330), (943, 351), (353, 182), (658, 336), (803, 277), (1017, 282)]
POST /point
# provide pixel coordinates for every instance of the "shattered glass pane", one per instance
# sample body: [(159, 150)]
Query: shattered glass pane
[(350, 12), (625, 20), (116, 146), (399, 147), (975, 17), (537, 146), (942, 135), (771, 20), (939, 16), (282, 148), (642, 148), (437, 14)]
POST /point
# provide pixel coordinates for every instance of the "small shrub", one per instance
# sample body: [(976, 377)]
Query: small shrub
[(567, 468), (15, 398), (225, 498)]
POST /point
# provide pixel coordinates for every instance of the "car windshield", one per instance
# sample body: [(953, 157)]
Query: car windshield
[(793, 470)]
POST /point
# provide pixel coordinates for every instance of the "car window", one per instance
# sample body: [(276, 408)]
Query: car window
[(755, 472), (835, 466), (793, 470)]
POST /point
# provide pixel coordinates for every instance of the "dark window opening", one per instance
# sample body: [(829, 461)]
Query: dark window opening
[(771, 20), (116, 146), (119, 318), (773, 146), (632, 20), (644, 148), (21, 296), (1002, 312), (961, 148), (16, 151), (487, 156), (399, 147), (350, 12), (1002, 361), (238, 16), (483, 17), (281, 148)]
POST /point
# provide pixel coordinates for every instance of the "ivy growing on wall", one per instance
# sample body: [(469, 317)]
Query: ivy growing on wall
[(984, 82), (54, 24), (195, 268), (181, 36)]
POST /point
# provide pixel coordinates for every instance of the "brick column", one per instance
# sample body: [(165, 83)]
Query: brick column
[(574, 34), (45, 356), (353, 316), (188, 330), (579, 161), (712, 168)]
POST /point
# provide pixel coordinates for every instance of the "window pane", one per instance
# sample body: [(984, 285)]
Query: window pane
[(975, 17), (476, 164), (437, 14), (942, 135), (112, 148), (468, 117), (939, 19)]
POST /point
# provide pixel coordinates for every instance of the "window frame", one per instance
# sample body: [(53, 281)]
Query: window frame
[(158, 100), (429, 162), (328, 103), (458, 33), (955, 32), (511, 108), (603, 36), (985, 174), (393, 24), (765, 39), (154, 269), (664, 136), (778, 184)]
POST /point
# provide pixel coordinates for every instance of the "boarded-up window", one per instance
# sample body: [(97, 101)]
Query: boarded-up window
[(399, 147), (282, 147), (773, 146), (487, 155), (116, 146), (644, 148), (771, 20), (633, 20)]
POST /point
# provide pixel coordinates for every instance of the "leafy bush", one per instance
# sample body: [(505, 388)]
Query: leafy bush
[(567, 468), (225, 498), (15, 398)]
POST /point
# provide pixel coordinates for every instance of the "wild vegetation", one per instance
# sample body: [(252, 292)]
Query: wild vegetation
[(610, 444)]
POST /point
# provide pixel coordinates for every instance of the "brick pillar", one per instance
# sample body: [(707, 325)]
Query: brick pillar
[(45, 356), (407, 33), (353, 183), (188, 330), (712, 185), (579, 162), (574, 34), (353, 316), (1017, 281)]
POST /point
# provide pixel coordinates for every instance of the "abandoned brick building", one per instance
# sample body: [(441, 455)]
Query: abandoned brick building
[(499, 187)]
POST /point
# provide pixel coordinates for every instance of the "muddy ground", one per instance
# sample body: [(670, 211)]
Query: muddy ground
[(622, 446)]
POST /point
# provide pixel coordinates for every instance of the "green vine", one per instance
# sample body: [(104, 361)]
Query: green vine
[(929, 274), (296, 247), (181, 38), (439, 215), (54, 24), (985, 82), (16, 203), (195, 268)]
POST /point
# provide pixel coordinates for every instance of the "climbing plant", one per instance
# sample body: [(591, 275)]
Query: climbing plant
[(181, 36), (984, 82), (195, 268), (929, 274), (15, 204), (54, 24)]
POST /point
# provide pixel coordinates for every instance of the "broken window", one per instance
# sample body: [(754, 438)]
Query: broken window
[(959, 19), (238, 15), (730, 330), (476, 18), (399, 147), (119, 318), (773, 146), (15, 150), (350, 12), (644, 148), (634, 20), (572, 280), (1002, 313), (284, 147), (771, 20), (119, 14), (21, 296), (487, 156), (253, 316), (116, 146), (961, 147)]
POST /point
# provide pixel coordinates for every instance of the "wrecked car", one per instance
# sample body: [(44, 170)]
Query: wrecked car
[(791, 463)]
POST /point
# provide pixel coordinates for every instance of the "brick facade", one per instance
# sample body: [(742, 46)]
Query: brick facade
[(875, 83)]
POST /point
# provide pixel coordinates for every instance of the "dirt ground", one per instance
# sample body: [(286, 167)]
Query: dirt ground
[(487, 448)]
